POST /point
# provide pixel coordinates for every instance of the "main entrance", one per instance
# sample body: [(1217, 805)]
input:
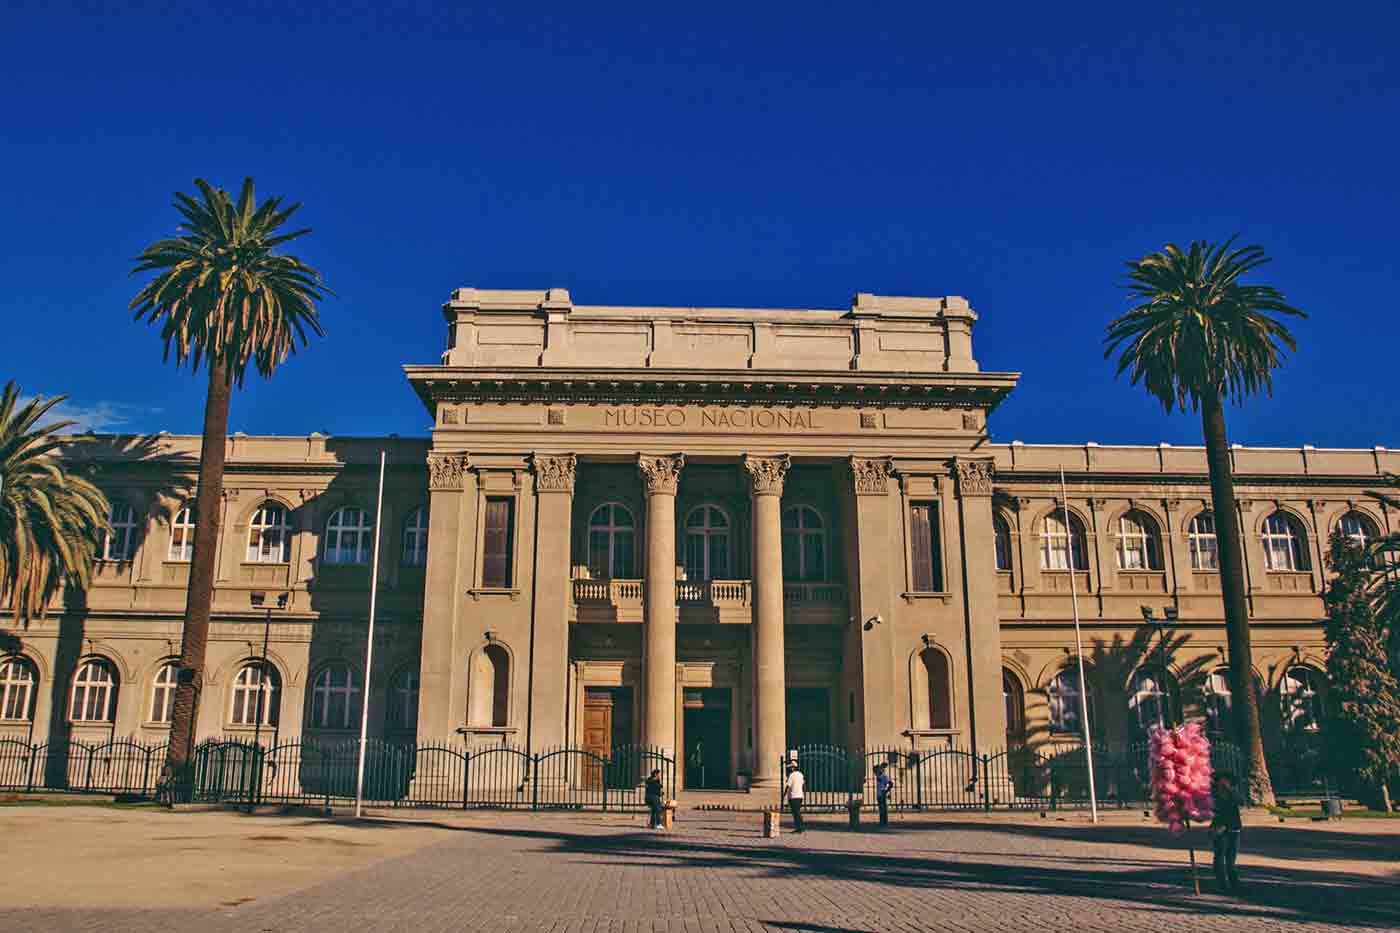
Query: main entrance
[(808, 716), (706, 728)]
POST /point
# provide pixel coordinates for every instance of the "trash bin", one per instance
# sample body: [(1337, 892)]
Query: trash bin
[(770, 824), (853, 812), (1332, 808)]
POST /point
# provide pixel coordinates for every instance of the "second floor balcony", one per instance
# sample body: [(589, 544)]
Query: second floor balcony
[(698, 601)]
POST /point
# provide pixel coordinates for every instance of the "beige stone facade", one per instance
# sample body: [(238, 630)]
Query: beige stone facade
[(736, 529)]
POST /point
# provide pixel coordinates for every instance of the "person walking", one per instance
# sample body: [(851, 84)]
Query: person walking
[(793, 790), (883, 786), (655, 800), (1225, 831)]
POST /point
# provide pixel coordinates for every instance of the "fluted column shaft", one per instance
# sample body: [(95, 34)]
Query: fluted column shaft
[(766, 475), (661, 475)]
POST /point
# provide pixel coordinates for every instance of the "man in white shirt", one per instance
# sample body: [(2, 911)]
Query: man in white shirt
[(793, 791)]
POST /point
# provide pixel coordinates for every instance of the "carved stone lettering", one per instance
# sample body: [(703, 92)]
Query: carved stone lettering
[(870, 475), (766, 474), (767, 419), (554, 473), (446, 471), (975, 477), (662, 474)]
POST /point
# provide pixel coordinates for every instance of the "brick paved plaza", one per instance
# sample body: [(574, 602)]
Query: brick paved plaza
[(591, 872)]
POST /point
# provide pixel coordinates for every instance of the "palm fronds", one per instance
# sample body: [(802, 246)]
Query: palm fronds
[(51, 519)]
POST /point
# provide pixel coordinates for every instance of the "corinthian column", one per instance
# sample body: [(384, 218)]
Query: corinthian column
[(770, 731), (661, 476)]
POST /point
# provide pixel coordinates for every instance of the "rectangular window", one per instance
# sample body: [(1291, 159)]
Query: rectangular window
[(497, 570), (923, 531)]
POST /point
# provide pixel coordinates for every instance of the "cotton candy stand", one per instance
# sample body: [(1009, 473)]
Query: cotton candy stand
[(1180, 762)]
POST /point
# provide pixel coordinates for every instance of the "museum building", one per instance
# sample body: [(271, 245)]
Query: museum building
[(724, 532)]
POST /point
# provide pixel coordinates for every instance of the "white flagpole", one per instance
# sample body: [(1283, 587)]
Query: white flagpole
[(1079, 649), (369, 640)]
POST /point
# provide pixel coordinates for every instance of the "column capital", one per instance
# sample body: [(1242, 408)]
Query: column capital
[(554, 472), (870, 475), (766, 474), (661, 473), (974, 477), (447, 471)]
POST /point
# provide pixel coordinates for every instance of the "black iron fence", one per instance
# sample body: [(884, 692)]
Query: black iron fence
[(1047, 777), (325, 773)]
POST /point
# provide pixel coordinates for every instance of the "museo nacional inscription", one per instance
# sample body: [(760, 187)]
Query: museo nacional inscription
[(765, 418)]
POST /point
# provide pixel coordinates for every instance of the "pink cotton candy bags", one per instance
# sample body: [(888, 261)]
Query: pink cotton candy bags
[(1180, 760)]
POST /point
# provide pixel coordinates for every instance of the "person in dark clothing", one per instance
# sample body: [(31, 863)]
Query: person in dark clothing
[(1225, 831), (883, 786), (655, 799)]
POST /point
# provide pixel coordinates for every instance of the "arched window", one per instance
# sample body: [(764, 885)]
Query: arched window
[(349, 536), (182, 537), (933, 693), (1285, 543), (1219, 702), (335, 698), (1300, 700), (120, 542), (1150, 699), (94, 697), (1058, 544), (612, 543), (1015, 698), (415, 538), (1138, 545), (1358, 528), (804, 544), (1002, 533), (269, 535), (490, 688), (257, 695), (1200, 540), (163, 692), (403, 700), (1063, 695), (18, 689), (706, 544)]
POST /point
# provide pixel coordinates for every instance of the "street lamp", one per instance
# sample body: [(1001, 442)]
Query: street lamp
[(258, 600), (1169, 617)]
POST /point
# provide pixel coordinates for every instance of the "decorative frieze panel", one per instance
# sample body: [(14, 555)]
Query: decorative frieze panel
[(554, 473), (661, 474), (871, 475), (766, 474), (975, 477), (446, 471)]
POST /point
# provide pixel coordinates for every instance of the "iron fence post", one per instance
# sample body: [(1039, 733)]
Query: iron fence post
[(986, 784), (29, 768), (534, 782), (919, 783)]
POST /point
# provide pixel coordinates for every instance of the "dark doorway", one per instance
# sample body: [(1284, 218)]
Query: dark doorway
[(706, 725), (808, 716)]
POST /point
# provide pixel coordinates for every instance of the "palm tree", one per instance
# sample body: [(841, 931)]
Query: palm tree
[(223, 298), (51, 519), (1198, 336)]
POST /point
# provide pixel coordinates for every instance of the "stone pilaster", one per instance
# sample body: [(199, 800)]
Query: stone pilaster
[(766, 477), (988, 709), (879, 562), (661, 476), (451, 533), (549, 641)]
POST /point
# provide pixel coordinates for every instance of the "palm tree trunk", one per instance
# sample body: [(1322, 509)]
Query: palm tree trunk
[(1227, 529), (199, 596)]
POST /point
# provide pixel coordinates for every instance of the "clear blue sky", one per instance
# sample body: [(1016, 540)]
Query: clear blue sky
[(755, 154)]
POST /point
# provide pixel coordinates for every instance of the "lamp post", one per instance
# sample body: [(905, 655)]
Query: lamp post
[(1169, 617), (258, 600)]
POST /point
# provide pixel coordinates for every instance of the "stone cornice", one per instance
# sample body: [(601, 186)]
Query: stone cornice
[(707, 387), (766, 474), (661, 474)]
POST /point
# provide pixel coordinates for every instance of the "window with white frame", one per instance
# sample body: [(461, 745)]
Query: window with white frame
[(1300, 700), (1002, 532), (94, 696), (349, 536), (612, 543), (1149, 700), (1357, 528), (257, 695), (163, 692), (1058, 544), (1201, 542), (804, 544), (1285, 543), (415, 538), (182, 535), (1138, 547), (1219, 702), (1063, 696), (18, 689), (707, 543), (403, 700), (335, 698), (120, 542), (269, 535)]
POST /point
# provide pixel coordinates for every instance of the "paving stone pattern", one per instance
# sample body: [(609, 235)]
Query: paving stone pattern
[(600, 874)]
